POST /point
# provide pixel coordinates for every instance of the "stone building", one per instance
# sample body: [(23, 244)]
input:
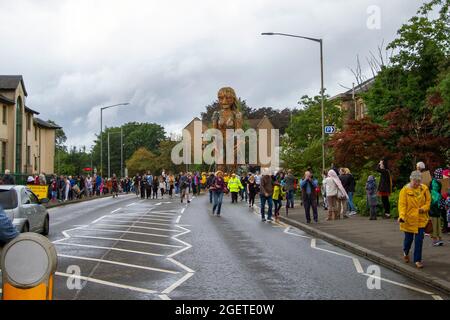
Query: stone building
[(352, 102), (27, 142)]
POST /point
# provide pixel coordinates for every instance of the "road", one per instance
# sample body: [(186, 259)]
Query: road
[(128, 248)]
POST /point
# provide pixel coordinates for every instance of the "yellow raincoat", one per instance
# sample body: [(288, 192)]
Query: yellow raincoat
[(409, 203), (234, 184)]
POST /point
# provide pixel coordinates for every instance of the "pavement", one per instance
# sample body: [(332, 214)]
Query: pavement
[(380, 241), (129, 248)]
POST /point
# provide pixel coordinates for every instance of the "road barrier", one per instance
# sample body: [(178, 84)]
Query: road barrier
[(28, 266)]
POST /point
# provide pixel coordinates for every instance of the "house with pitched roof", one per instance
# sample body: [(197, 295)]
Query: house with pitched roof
[(27, 143)]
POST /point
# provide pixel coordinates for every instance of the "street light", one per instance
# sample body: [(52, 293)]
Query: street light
[(320, 41), (101, 131)]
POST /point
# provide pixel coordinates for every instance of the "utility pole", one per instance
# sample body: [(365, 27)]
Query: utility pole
[(109, 160), (121, 152)]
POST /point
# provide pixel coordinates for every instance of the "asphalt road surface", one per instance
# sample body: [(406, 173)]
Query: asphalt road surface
[(128, 248)]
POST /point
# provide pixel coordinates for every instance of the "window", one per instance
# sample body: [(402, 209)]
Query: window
[(8, 199), (28, 155), (28, 121), (25, 199), (33, 197), (3, 156), (5, 114)]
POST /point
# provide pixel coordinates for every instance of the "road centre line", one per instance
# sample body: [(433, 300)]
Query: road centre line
[(107, 283), (178, 219), (131, 204), (118, 263), (178, 283), (131, 232), (128, 240), (133, 226), (114, 211), (111, 248), (182, 210)]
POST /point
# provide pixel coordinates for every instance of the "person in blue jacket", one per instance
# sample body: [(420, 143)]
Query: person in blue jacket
[(7, 229)]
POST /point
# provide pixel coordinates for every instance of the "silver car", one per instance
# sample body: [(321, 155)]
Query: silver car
[(24, 209)]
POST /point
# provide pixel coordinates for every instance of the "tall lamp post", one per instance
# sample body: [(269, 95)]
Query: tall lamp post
[(101, 131), (320, 41)]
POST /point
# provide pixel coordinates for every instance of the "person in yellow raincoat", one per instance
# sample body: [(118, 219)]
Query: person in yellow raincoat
[(234, 185), (413, 207)]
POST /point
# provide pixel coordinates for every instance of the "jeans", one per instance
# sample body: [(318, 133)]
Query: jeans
[(309, 202), (211, 196), (278, 204), (7, 229), (290, 199), (263, 200), (218, 197), (351, 205), (418, 243)]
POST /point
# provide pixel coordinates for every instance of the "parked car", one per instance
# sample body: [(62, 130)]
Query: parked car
[(24, 209)]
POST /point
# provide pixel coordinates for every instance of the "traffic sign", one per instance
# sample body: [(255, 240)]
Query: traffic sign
[(330, 129)]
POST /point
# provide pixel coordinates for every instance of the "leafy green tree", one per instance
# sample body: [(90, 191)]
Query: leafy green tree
[(306, 125), (142, 161), (135, 136)]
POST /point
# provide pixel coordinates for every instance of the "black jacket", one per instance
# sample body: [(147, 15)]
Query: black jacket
[(385, 180), (348, 182)]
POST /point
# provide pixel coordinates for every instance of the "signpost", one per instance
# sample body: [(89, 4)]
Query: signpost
[(40, 191)]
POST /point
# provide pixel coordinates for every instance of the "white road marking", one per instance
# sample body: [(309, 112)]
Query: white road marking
[(180, 265), (131, 204), (107, 283), (128, 240), (95, 221), (178, 283), (178, 219), (138, 227), (164, 297), (182, 210), (137, 221), (160, 214), (110, 248), (294, 234), (114, 211), (188, 246), (399, 284), (313, 245), (158, 204), (118, 263), (131, 232), (358, 265), (436, 297)]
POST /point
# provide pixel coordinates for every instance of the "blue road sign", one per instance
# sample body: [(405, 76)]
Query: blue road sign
[(330, 129)]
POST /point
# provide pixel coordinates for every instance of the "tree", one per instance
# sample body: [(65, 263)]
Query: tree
[(361, 141), (142, 161), (306, 127), (135, 136)]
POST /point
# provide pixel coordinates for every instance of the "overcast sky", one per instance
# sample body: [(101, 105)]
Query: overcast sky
[(169, 58)]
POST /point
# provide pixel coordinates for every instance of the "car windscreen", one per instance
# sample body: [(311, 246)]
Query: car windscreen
[(8, 199)]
